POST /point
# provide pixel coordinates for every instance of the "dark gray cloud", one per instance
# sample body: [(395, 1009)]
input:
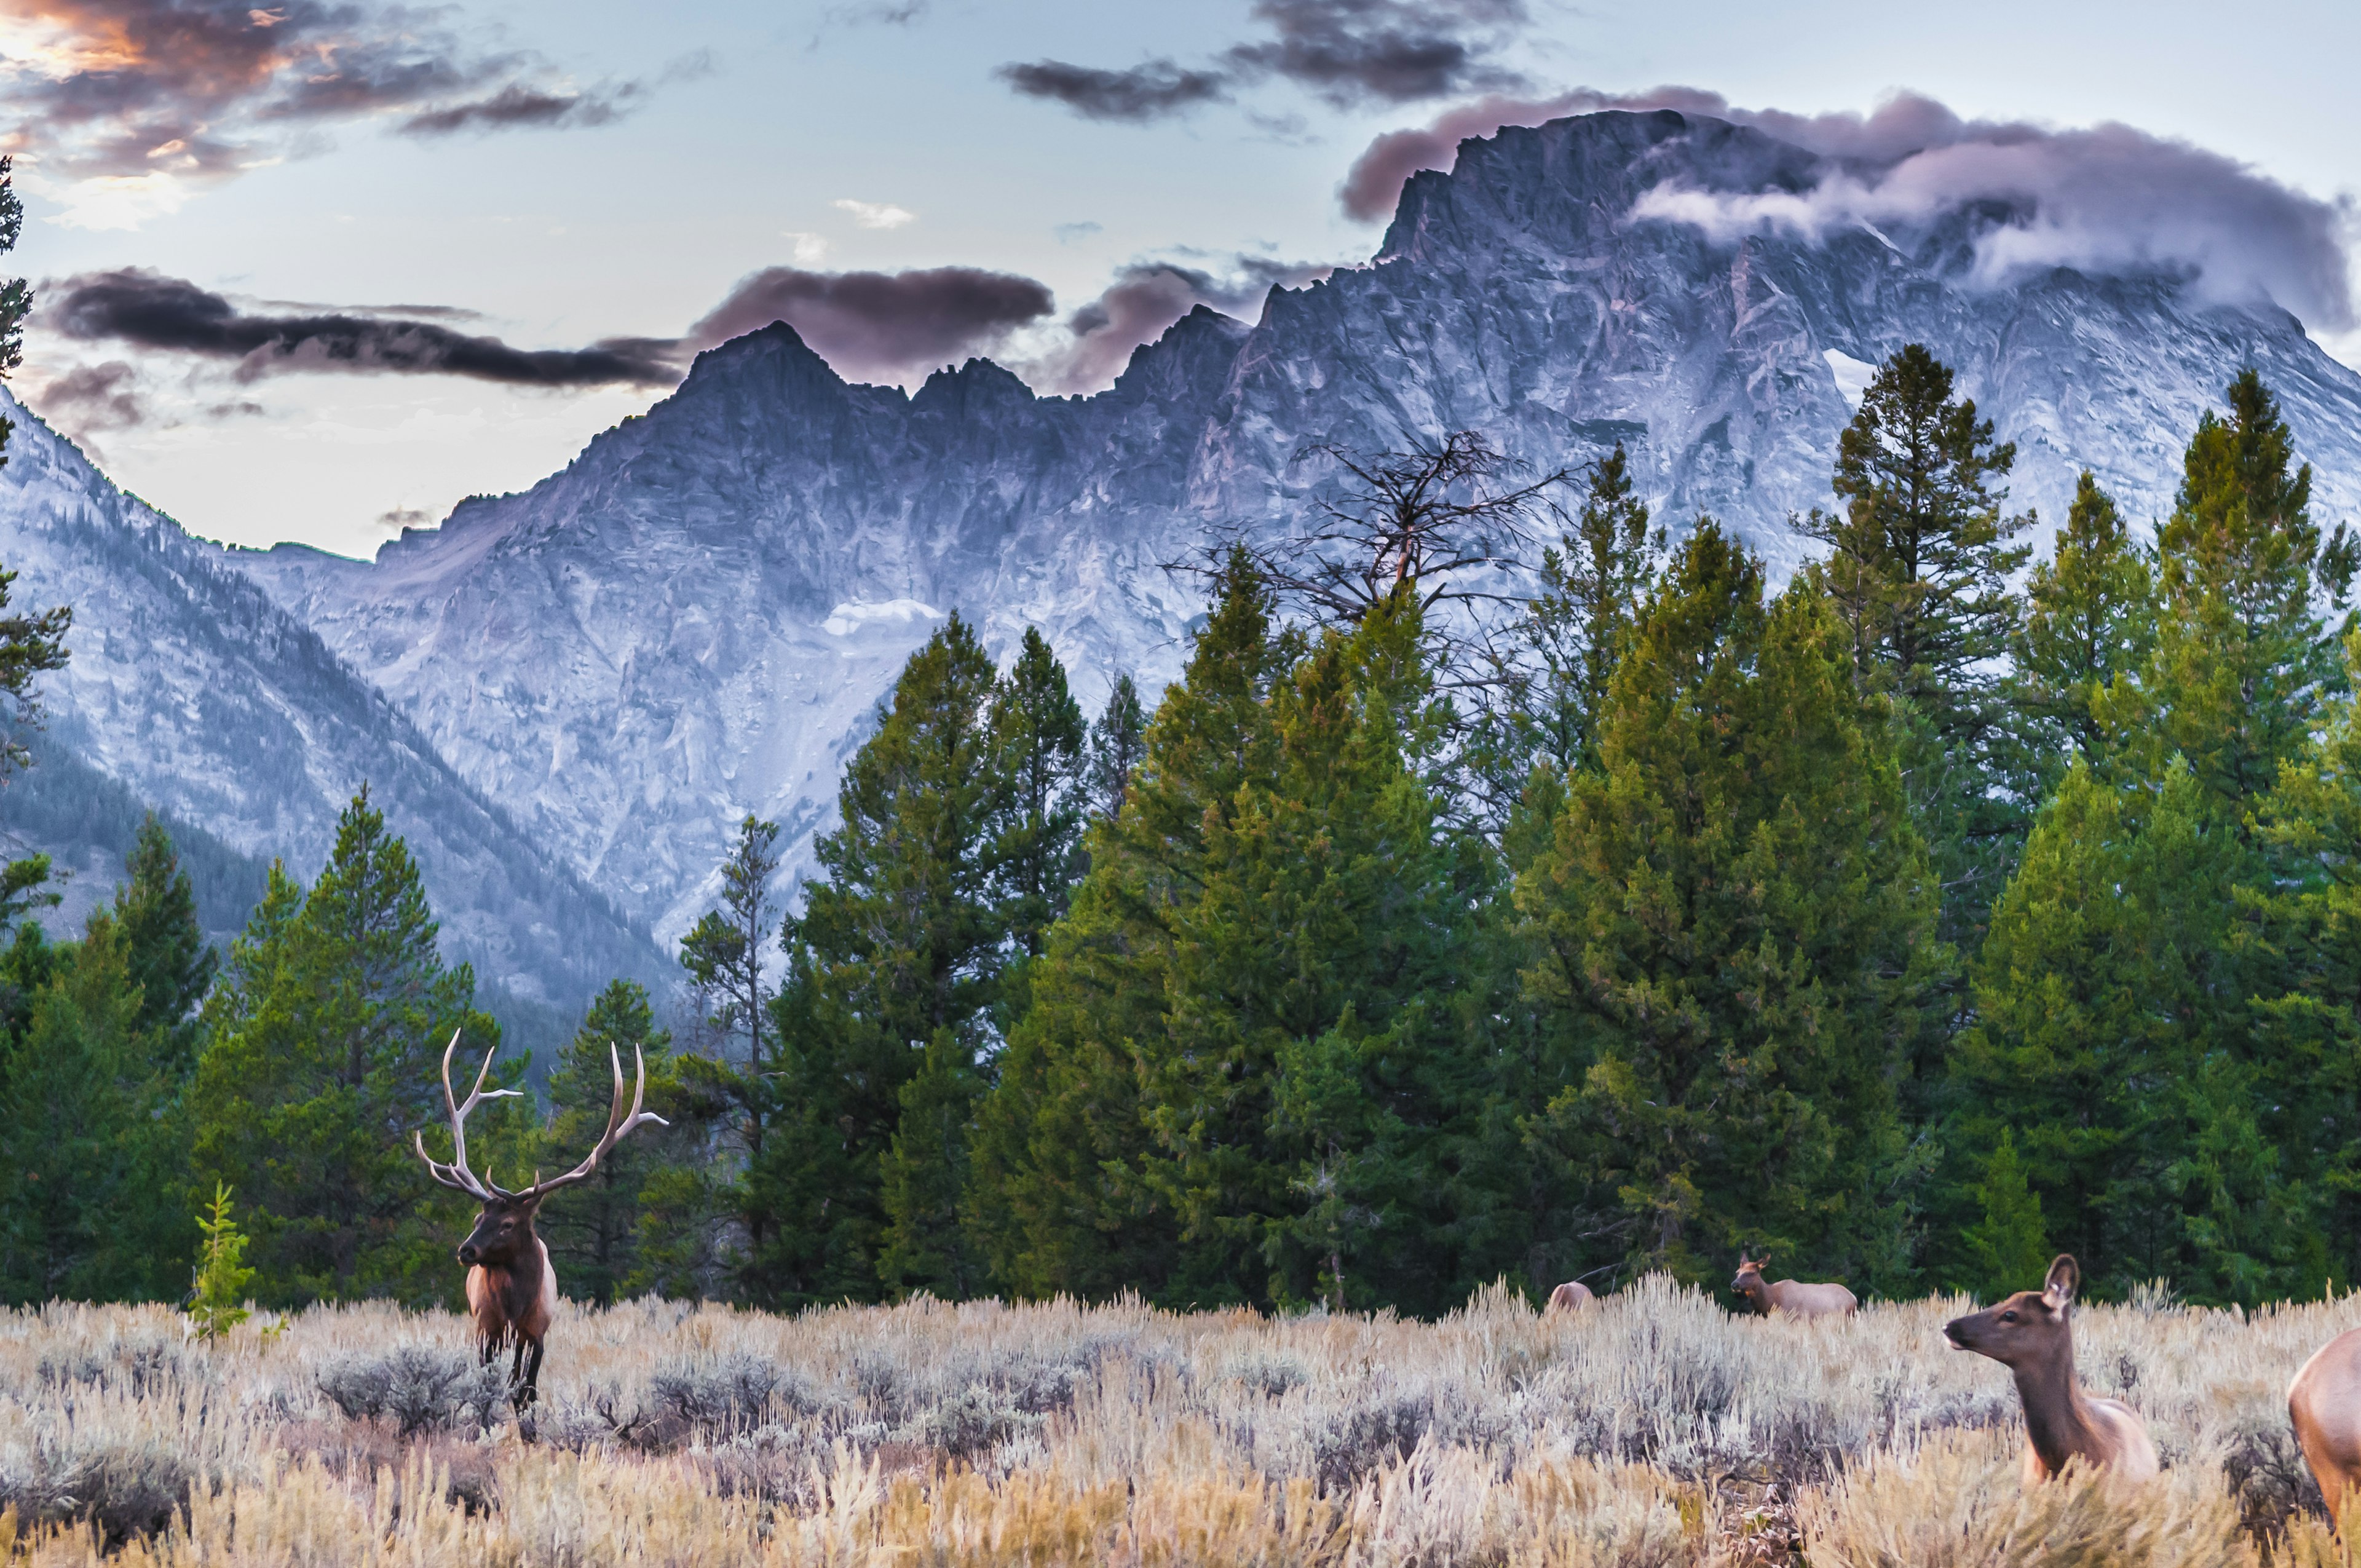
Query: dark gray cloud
[(148, 310), (1142, 93), (1347, 52), (1144, 301), (1394, 52), (2109, 199), (517, 105), (881, 325), (198, 89)]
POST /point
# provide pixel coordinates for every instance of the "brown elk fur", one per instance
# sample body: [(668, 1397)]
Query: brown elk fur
[(1796, 1297)]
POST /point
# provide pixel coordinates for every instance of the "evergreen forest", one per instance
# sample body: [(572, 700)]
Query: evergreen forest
[(1908, 921)]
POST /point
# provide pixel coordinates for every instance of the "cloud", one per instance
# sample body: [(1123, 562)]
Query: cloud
[(1140, 93), (875, 214), (149, 310), (881, 325), (1144, 301), (1345, 52), (117, 107), (2109, 200), (1067, 233), (811, 249), (517, 105), (1395, 51), (86, 398), (399, 519)]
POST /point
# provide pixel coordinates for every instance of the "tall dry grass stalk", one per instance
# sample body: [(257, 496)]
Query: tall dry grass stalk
[(1655, 1429)]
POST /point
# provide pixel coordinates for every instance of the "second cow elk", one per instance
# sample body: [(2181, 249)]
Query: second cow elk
[(2032, 1334), (2324, 1403), (1571, 1297), (511, 1289), (1795, 1298)]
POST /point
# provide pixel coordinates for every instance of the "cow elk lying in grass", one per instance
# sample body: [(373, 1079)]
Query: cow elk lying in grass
[(1795, 1298), (2032, 1334), (2324, 1404), (511, 1289)]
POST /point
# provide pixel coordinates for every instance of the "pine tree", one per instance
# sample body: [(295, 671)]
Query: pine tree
[(2306, 924), (723, 951), (1058, 1200), (1038, 737), (2089, 621), (1311, 1061), (900, 940), (593, 1232), (1919, 574), (1118, 740), (77, 1102), (2010, 1245), (1734, 917), (2244, 661), (322, 1050), (171, 960), (217, 1299), (2107, 1040)]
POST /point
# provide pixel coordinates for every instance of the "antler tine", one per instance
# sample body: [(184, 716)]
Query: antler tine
[(456, 1175), (618, 1125)]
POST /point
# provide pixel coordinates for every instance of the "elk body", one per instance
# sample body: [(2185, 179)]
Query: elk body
[(2032, 1334), (511, 1289), (2324, 1404), (1796, 1297), (1572, 1296)]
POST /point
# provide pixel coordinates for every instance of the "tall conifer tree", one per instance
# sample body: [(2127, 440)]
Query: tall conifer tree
[(322, 1050), (900, 941), (1734, 917), (2089, 621), (1058, 1199), (1919, 574)]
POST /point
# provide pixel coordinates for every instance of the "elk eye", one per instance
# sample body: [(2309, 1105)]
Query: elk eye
[(2009, 1316)]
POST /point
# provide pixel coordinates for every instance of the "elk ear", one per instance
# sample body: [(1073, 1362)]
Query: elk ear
[(2065, 1278)]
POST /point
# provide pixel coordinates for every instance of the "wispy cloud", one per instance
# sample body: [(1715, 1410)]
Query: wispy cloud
[(1345, 52), (876, 214)]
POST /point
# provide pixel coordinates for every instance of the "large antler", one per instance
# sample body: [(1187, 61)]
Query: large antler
[(456, 1175), (618, 1124)]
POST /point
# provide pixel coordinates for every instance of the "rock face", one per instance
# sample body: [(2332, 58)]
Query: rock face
[(189, 687), (697, 617)]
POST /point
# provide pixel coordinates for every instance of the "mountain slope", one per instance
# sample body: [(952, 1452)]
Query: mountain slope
[(195, 693), (695, 619)]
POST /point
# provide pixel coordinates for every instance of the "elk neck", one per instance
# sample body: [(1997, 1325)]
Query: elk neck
[(2057, 1421)]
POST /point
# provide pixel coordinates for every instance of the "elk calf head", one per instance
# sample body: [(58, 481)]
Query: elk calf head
[(2029, 1328)]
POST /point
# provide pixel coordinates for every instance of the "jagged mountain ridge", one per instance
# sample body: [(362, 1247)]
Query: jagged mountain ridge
[(697, 616), (193, 691)]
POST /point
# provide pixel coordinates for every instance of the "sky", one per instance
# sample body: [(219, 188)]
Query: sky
[(316, 269)]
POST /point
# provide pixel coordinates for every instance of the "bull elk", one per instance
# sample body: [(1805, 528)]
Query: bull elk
[(2032, 1334), (511, 1289), (1796, 1297), (2324, 1403)]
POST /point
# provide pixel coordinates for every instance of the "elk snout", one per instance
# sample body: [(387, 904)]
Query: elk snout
[(470, 1254)]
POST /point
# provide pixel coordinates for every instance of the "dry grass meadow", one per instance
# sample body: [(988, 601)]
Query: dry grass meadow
[(1655, 1429)]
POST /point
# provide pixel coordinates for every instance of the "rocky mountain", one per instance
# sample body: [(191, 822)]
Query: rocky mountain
[(697, 618), (190, 692)]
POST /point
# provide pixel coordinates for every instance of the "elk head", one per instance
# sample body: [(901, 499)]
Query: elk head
[(1751, 1285), (2029, 1329), (503, 1236)]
